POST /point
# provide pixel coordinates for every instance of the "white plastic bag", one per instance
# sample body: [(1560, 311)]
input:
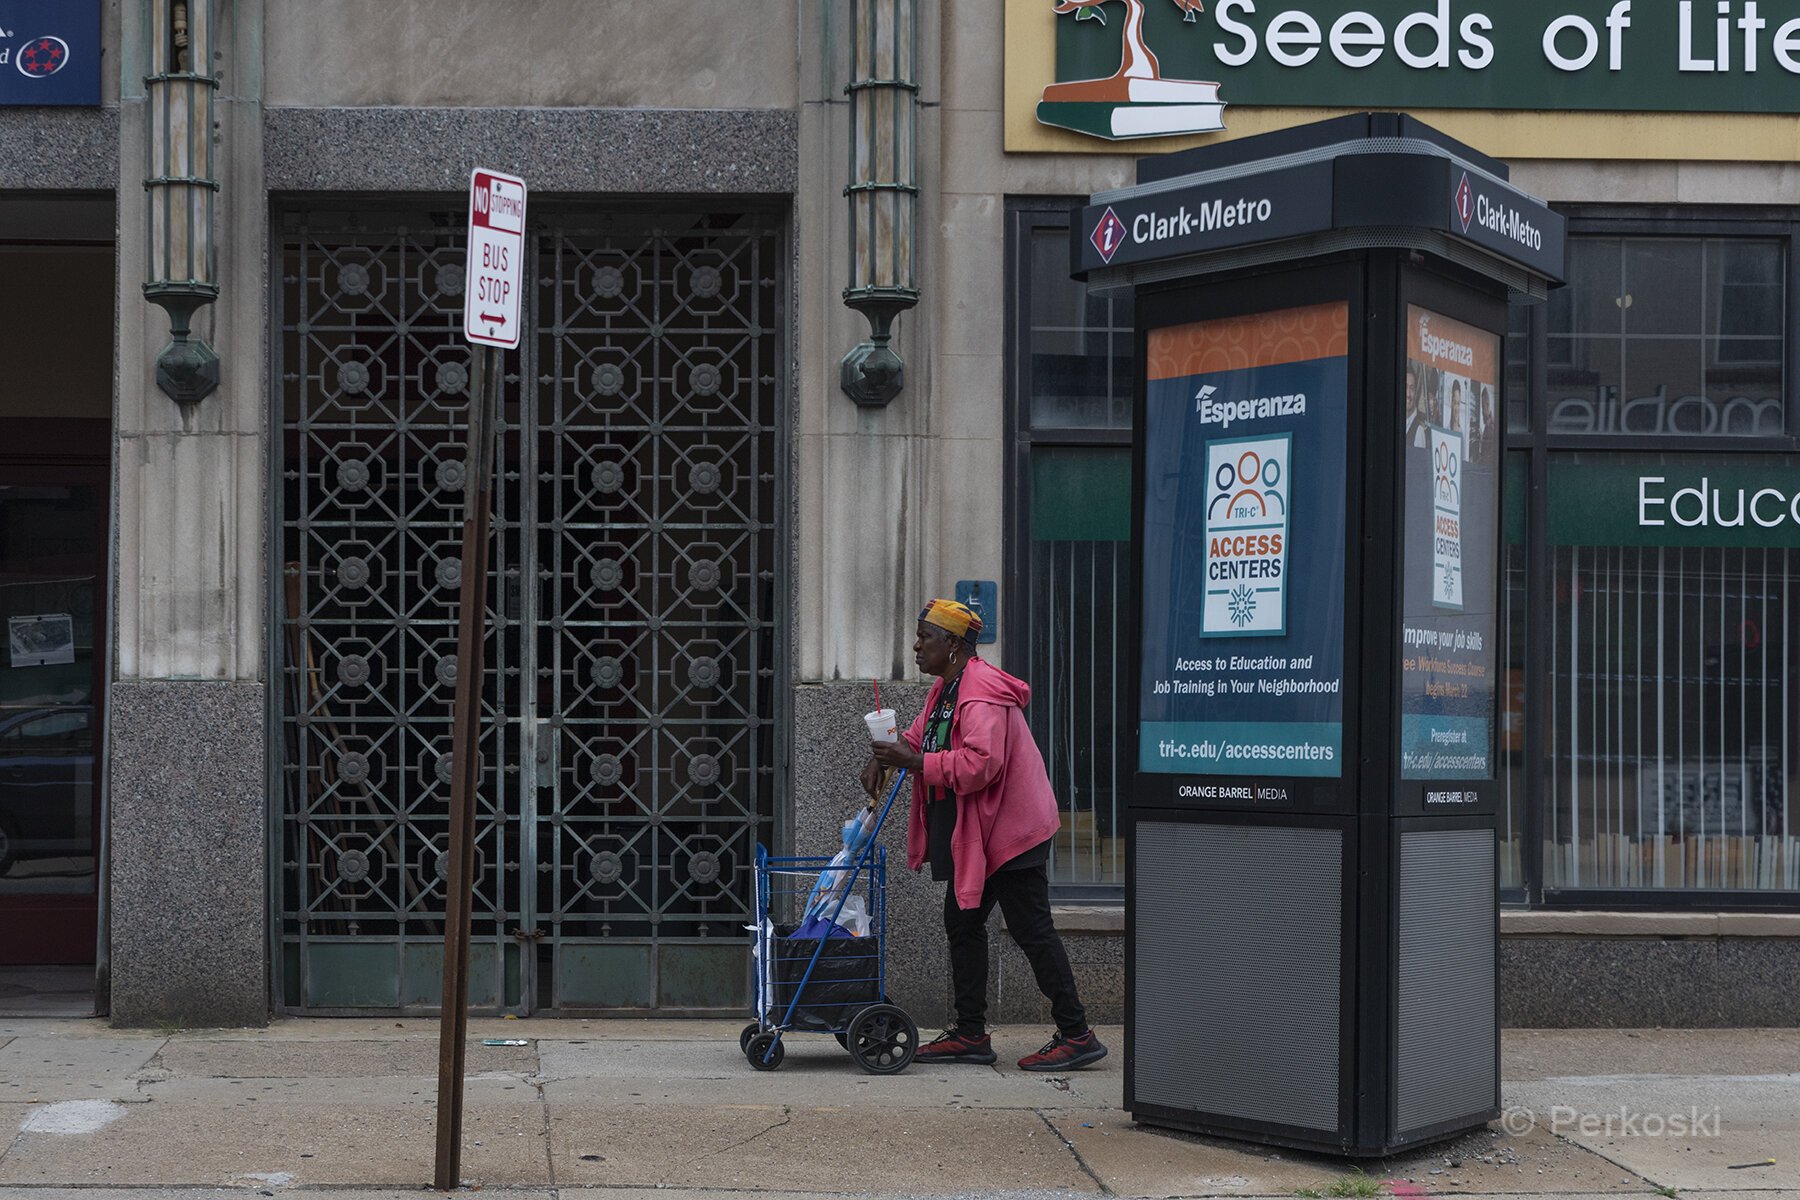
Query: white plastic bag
[(832, 882), (855, 915), (759, 965), (857, 831)]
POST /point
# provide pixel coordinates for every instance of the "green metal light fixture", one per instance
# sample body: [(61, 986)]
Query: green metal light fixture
[(883, 188), (181, 190)]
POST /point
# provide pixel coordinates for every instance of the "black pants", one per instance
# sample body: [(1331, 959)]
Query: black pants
[(1024, 899)]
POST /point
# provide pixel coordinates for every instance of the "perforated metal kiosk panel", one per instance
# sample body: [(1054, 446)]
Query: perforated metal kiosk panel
[(1236, 1006), (1445, 1057)]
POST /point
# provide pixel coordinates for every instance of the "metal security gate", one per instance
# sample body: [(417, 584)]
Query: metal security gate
[(635, 680)]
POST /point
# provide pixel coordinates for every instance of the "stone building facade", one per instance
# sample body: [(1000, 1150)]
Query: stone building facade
[(704, 551)]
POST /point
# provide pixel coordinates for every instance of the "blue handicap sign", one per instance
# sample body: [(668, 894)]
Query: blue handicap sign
[(983, 596)]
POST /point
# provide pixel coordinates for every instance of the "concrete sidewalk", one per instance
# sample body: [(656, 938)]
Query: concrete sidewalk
[(671, 1108)]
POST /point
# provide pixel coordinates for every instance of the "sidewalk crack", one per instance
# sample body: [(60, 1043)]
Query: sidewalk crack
[(1605, 1157), (1073, 1152), (544, 1105), (151, 1070), (787, 1116)]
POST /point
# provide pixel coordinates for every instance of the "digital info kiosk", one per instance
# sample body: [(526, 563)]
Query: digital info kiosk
[(1312, 922)]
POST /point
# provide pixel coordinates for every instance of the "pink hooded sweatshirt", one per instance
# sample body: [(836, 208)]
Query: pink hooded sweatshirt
[(1004, 805)]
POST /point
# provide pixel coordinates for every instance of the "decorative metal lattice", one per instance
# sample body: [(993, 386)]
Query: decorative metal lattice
[(632, 677)]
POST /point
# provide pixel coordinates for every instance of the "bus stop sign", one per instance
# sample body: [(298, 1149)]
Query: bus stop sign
[(491, 286)]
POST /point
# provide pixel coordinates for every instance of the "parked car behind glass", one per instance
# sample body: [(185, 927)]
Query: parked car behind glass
[(46, 783)]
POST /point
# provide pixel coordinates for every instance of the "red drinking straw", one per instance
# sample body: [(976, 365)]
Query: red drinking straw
[(877, 684)]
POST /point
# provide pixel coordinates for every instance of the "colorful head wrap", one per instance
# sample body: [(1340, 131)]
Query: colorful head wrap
[(955, 617)]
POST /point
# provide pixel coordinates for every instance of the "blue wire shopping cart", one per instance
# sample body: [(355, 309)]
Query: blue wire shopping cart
[(831, 983)]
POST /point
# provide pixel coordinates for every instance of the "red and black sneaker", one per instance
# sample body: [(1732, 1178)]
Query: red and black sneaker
[(1065, 1053), (953, 1047)]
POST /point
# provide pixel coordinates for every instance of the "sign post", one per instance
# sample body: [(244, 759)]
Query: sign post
[(490, 321)]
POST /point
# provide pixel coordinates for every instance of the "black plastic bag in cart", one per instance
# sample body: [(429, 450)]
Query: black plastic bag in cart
[(846, 979)]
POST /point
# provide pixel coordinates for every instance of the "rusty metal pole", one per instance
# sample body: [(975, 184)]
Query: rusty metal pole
[(465, 753)]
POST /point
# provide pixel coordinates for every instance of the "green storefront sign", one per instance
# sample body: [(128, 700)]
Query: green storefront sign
[(1739, 56), (1655, 500)]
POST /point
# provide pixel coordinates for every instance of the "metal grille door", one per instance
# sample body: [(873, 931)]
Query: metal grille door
[(632, 676), (655, 495)]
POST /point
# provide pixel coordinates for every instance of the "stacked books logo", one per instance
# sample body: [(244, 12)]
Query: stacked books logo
[(1136, 101)]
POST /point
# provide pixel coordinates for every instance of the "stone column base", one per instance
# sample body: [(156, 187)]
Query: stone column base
[(188, 861)]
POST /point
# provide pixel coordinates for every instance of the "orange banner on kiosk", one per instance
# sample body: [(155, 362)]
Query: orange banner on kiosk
[(1242, 343)]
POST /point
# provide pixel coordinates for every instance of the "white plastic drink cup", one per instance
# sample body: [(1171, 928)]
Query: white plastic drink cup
[(881, 726)]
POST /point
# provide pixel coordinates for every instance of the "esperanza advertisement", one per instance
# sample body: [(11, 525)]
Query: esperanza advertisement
[(1243, 621), (1450, 519)]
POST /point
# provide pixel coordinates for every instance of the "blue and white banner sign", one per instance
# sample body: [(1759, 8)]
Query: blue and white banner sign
[(50, 52)]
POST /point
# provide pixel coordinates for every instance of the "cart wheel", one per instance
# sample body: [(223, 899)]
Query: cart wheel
[(764, 1052), (749, 1031), (883, 1039)]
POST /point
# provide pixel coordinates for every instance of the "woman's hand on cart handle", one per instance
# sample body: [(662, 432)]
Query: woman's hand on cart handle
[(871, 778), (896, 754)]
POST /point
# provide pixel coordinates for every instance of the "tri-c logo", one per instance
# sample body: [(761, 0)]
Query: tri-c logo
[(1108, 235), (1464, 202), (42, 57), (1247, 535), (1446, 470)]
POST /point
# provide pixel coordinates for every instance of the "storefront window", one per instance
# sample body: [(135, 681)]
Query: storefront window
[(1080, 365), (1080, 576), (1668, 337), (1517, 385), (1648, 645), (1674, 664), (1512, 665), (52, 563), (1072, 375)]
